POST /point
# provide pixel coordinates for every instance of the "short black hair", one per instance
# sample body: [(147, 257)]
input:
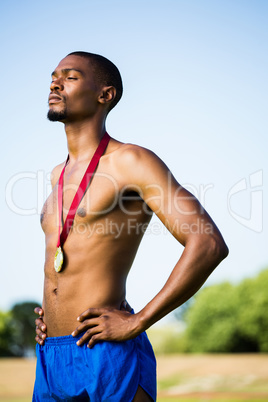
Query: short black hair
[(105, 72)]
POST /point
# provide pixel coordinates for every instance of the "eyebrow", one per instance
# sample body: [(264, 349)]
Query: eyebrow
[(67, 70)]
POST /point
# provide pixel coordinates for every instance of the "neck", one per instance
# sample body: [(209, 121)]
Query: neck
[(83, 137)]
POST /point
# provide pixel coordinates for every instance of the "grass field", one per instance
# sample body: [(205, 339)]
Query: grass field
[(182, 378)]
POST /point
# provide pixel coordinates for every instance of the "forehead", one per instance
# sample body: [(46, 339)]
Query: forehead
[(76, 63)]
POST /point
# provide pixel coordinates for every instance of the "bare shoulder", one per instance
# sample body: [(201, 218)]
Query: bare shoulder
[(55, 173), (132, 155), (132, 152), (137, 163)]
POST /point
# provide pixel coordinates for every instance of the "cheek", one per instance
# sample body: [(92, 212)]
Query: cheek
[(82, 101)]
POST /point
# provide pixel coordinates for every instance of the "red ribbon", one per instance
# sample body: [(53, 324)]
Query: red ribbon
[(80, 191)]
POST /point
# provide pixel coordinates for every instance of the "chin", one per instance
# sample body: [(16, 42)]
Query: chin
[(57, 115)]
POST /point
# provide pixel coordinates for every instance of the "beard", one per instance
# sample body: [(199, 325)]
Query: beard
[(54, 115)]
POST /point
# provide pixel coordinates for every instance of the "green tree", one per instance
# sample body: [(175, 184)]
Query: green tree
[(23, 323), (211, 321), (230, 318), (253, 314), (5, 334)]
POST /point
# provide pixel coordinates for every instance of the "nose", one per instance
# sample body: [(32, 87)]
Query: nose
[(56, 84)]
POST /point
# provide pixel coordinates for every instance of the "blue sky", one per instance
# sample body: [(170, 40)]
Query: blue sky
[(195, 92)]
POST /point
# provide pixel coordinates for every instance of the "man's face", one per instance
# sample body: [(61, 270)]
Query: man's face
[(74, 92)]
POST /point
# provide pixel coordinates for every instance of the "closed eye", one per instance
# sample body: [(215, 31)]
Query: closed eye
[(72, 78)]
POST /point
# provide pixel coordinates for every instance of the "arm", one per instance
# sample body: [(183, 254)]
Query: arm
[(180, 212)]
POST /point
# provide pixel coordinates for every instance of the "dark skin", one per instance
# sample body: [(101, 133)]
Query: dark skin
[(41, 326), (91, 283)]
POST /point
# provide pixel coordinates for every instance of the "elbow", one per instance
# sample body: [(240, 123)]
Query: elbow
[(225, 250), (218, 249)]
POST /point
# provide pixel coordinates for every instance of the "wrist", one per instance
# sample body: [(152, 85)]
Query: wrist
[(142, 321)]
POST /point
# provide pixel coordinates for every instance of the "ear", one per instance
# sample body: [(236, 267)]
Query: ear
[(107, 95)]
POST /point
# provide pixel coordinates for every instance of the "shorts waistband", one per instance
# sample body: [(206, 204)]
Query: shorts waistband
[(62, 340)]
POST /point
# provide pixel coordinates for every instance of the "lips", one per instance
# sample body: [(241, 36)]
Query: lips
[(53, 98)]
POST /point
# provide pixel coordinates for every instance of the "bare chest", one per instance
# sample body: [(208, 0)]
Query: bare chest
[(104, 196)]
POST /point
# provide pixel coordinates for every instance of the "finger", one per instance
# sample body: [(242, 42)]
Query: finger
[(39, 310), (94, 339), (38, 340), (39, 333), (91, 312), (40, 324), (87, 336), (86, 324)]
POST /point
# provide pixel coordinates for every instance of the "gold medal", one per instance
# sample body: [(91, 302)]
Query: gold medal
[(58, 259)]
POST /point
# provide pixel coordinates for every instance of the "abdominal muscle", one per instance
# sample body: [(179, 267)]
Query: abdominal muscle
[(85, 282)]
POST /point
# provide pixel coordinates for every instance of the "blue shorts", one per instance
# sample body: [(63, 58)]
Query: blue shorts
[(110, 371)]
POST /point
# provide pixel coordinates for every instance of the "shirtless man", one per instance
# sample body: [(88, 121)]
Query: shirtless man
[(130, 183)]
